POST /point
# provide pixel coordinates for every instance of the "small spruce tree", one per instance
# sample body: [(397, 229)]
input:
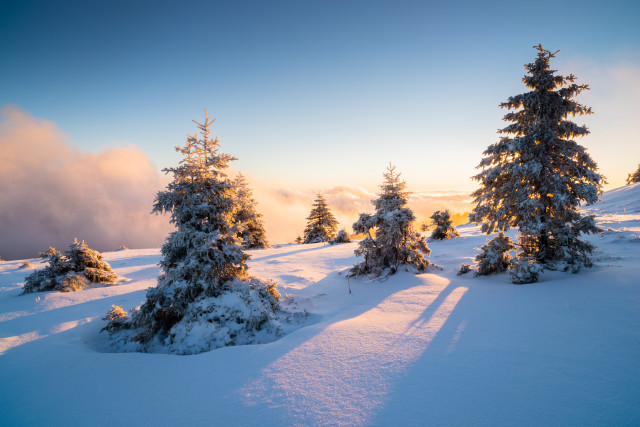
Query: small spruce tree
[(71, 271), (48, 252), (494, 256), (205, 298), (536, 176), (321, 224), (395, 243), (250, 226), (634, 177), (444, 228)]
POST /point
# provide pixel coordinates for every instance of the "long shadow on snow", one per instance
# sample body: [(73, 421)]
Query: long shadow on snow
[(33, 322), (134, 261), (193, 374), (284, 254), (26, 302), (367, 295), (442, 375)]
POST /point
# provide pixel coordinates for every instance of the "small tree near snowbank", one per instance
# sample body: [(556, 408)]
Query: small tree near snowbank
[(71, 271), (396, 243), (494, 256), (205, 298), (444, 228), (341, 237), (634, 177)]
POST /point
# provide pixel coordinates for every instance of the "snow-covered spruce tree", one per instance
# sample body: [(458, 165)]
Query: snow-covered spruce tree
[(395, 243), (536, 176), (321, 224), (634, 177), (250, 227), (204, 299), (494, 256), (71, 271), (444, 229)]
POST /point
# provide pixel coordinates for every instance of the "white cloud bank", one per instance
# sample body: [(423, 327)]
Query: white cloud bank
[(53, 192)]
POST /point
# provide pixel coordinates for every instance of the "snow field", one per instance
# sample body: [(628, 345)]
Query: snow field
[(431, 349)]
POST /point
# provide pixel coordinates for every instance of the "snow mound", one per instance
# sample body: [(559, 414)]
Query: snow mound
[(619, 201), (245, 312)]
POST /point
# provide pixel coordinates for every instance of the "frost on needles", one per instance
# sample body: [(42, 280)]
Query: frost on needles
[(395, 243), (536, 176), (204, 299)]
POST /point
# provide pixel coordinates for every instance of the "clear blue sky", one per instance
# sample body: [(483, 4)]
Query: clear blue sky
[(315, 93)]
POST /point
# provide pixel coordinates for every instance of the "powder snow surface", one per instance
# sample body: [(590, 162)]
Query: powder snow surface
[(432, 349)]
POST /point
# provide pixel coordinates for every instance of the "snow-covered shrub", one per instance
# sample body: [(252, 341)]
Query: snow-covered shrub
[(25, 264), (634, 177), (396, 243), (464, 269), (116, 318), (48, 252), (241, 312), (71, 271), (536, 176), (205, 298), (250, 226), (71, 282), (444, 228), (341, 237), (123, 248), (494, 256), (524, 271), (321, 224)]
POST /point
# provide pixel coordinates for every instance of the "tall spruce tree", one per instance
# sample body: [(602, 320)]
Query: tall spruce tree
[(187, 312), (250, 226), (536, 176), (395, 243), (321, 224), (634, 177)]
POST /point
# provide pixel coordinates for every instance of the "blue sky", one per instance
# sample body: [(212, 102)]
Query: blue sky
[(307, 94)]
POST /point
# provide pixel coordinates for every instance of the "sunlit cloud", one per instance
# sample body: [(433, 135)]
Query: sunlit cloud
[(53, 192)]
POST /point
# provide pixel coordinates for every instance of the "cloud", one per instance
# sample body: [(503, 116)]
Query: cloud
[(53, 192)]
